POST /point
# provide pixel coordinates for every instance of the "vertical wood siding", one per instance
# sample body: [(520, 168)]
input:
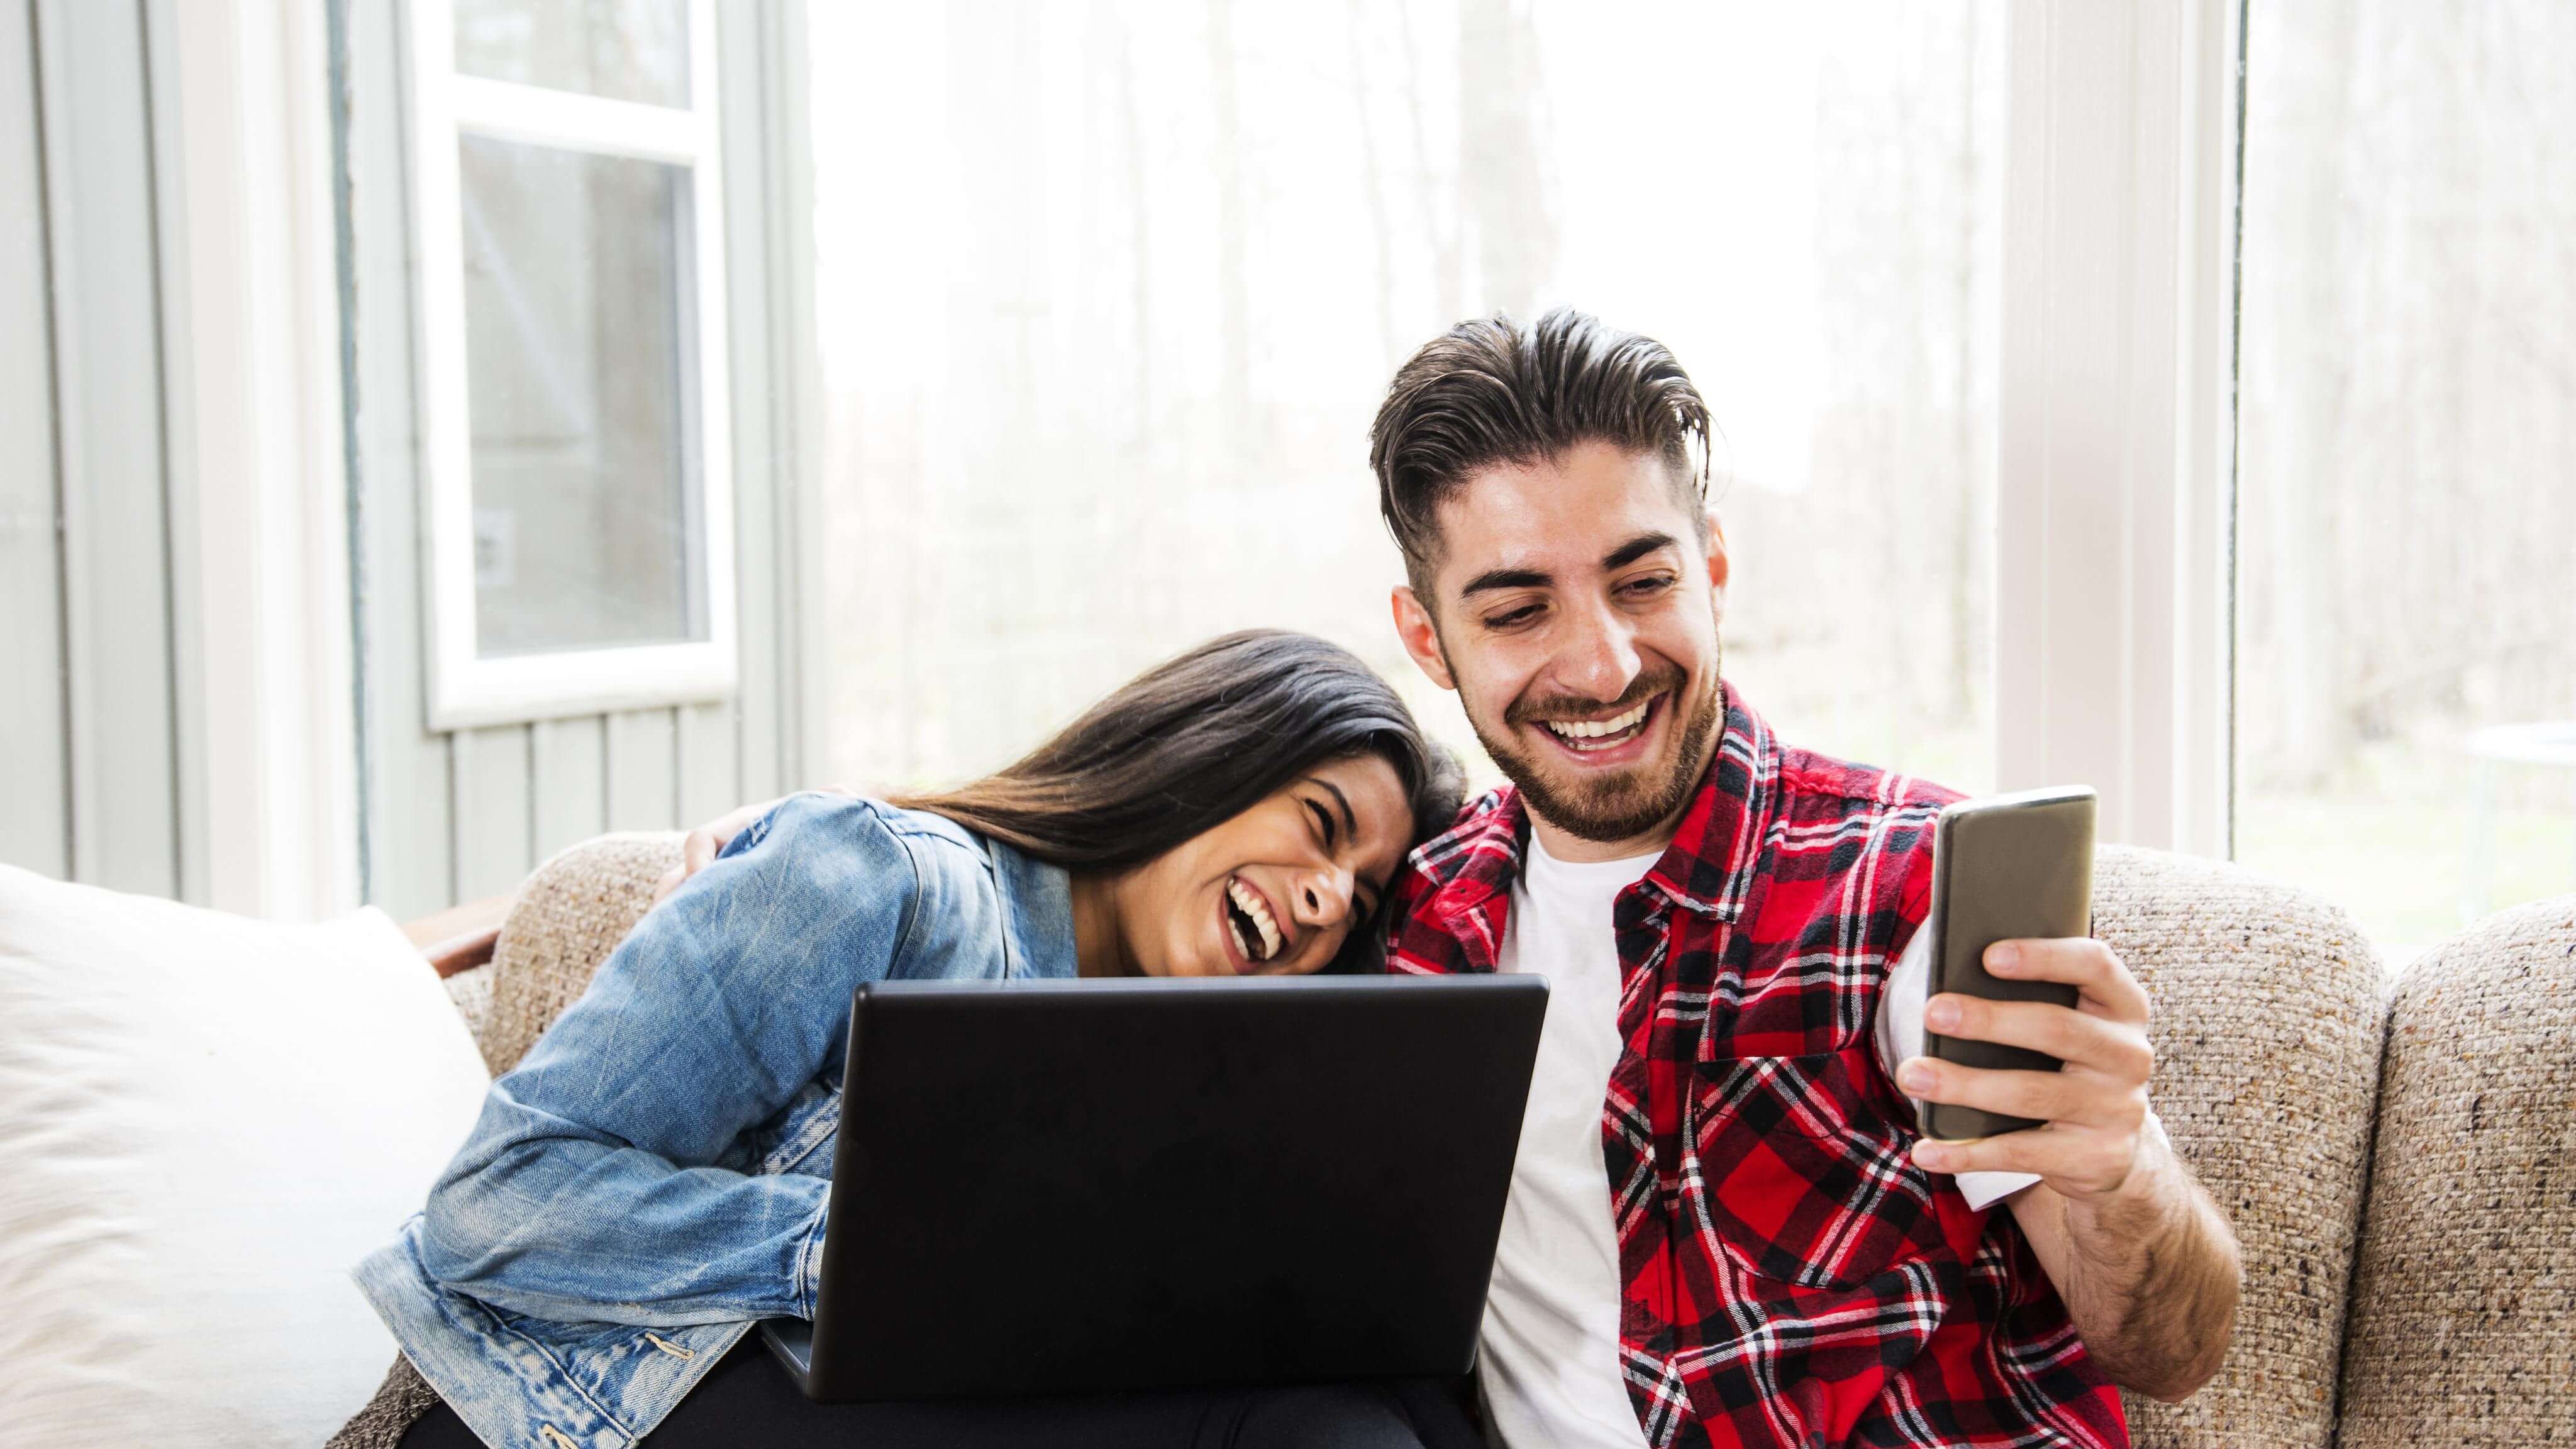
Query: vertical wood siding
[(88, 715)]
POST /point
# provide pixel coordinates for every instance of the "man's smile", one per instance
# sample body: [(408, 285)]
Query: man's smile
[(1608, 740)]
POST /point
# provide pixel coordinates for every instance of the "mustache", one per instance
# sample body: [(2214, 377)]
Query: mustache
[(1647, 685)]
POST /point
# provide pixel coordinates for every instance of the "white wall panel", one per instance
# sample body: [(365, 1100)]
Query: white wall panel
[(35, 814)]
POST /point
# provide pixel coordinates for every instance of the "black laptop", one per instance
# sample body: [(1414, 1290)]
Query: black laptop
[(1069, 1187)]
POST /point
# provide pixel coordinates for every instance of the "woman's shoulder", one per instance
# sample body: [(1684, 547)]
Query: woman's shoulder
[(993, 906), (821, 827)]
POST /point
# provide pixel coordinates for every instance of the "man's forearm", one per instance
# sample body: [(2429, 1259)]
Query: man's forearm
[(2150, 1278), (2141, 1257)]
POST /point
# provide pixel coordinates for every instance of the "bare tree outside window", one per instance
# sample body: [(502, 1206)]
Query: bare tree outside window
[(2407, 472), (1109, 291)]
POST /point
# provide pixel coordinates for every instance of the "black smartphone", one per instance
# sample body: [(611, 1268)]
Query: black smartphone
[(2004, 868)]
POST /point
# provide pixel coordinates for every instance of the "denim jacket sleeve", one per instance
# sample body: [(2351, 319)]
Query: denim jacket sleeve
[(588, 1190)]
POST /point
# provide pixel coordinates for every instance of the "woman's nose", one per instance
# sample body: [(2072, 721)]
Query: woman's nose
[(1324, 898)]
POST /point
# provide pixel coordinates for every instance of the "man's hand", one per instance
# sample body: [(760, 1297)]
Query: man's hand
[(703, 843), (2095, 1108), (2144, 1261)]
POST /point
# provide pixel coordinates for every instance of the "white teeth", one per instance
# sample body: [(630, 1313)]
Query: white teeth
[(1593, 729), (1251, 905)]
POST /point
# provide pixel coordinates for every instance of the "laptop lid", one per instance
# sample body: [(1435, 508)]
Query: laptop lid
[(1091, 1186)]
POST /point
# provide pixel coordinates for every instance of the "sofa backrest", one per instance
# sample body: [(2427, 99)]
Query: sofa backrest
[(2267, 1029), (2267, 1010), (2464, 1304), (569, 915)]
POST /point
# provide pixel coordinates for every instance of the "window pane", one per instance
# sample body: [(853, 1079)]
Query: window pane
[(2407, 521), (580, 348), (1102, 338), (625, 50)]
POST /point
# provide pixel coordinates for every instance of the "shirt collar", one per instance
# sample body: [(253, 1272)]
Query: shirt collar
[(1710, 866), (1037, 913)]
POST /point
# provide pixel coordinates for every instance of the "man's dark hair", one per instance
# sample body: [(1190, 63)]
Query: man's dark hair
[(1490, 391)]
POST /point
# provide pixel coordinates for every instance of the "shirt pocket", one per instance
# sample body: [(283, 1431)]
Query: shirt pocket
[(802, 1133), (1798, 1177)]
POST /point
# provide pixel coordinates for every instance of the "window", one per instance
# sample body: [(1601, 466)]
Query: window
[(578, 506), (1102, 336), (2406, 665)]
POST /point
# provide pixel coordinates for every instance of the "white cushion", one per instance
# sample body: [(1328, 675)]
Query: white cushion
[(204, 1121)]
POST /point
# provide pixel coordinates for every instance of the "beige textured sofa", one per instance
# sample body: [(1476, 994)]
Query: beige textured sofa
[(2419, 1289)]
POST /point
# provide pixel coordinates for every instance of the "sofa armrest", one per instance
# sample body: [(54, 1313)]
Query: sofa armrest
[(470, 992), (460, 938)]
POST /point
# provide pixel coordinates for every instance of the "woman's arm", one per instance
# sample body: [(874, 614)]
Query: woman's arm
[(582, 1195)]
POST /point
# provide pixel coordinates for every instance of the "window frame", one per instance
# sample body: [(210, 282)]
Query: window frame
[(464, 689), (2114, 637)]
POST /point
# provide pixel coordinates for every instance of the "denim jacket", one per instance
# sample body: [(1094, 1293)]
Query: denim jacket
[(651, 1181)]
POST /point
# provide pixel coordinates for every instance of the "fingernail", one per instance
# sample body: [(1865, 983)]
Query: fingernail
[(1942, 1014), (2003, 957), (1928, 1154), (1915, 1076)]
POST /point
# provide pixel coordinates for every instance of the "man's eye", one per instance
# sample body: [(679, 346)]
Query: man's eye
[(1643, 587), (1516, 616)]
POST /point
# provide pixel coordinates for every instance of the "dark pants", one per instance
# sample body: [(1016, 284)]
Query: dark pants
[(747, 1399)]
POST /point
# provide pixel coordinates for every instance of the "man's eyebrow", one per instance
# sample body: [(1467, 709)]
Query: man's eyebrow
[(1637, 548), (1618, 558), (1506, 579)]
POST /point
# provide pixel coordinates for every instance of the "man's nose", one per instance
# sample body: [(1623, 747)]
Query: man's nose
[(1324, 897), (1599, 658)]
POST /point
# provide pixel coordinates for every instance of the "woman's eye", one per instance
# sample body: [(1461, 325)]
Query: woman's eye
[(1323, 822)]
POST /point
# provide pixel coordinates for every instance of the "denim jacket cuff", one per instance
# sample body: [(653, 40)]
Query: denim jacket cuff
[(809, 1267)]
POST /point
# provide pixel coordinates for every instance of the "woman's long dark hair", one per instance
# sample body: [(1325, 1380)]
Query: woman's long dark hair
[(1195, 741)]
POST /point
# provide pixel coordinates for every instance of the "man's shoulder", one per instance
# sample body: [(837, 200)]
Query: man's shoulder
[(1483, 828), (1844, 816), (1816, 787), (1451, 886)]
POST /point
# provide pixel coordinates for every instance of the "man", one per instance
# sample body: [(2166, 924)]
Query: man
[(1722, 1227)]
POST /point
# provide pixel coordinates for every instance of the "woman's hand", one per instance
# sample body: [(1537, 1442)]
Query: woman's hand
[(705, 842)]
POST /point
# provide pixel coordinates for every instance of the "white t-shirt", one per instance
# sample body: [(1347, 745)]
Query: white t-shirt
[(1550, 1343)]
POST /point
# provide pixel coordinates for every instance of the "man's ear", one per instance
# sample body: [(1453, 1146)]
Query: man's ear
[(1716, 558), (1420, 636)]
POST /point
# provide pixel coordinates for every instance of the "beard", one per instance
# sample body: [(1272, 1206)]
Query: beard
[(1612, 806)]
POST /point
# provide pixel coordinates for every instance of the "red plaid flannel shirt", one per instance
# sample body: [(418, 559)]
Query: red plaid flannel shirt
[(1790, 1276)]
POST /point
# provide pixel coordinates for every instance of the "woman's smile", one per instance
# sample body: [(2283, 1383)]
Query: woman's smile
[(1250, 927)]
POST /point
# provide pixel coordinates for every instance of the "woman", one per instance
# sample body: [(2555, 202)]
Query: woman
[(650, 1182)]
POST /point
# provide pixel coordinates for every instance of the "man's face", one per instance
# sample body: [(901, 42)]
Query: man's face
[(1576, 614)]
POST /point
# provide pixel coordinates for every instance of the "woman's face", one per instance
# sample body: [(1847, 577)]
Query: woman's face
[(1275, 890)]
